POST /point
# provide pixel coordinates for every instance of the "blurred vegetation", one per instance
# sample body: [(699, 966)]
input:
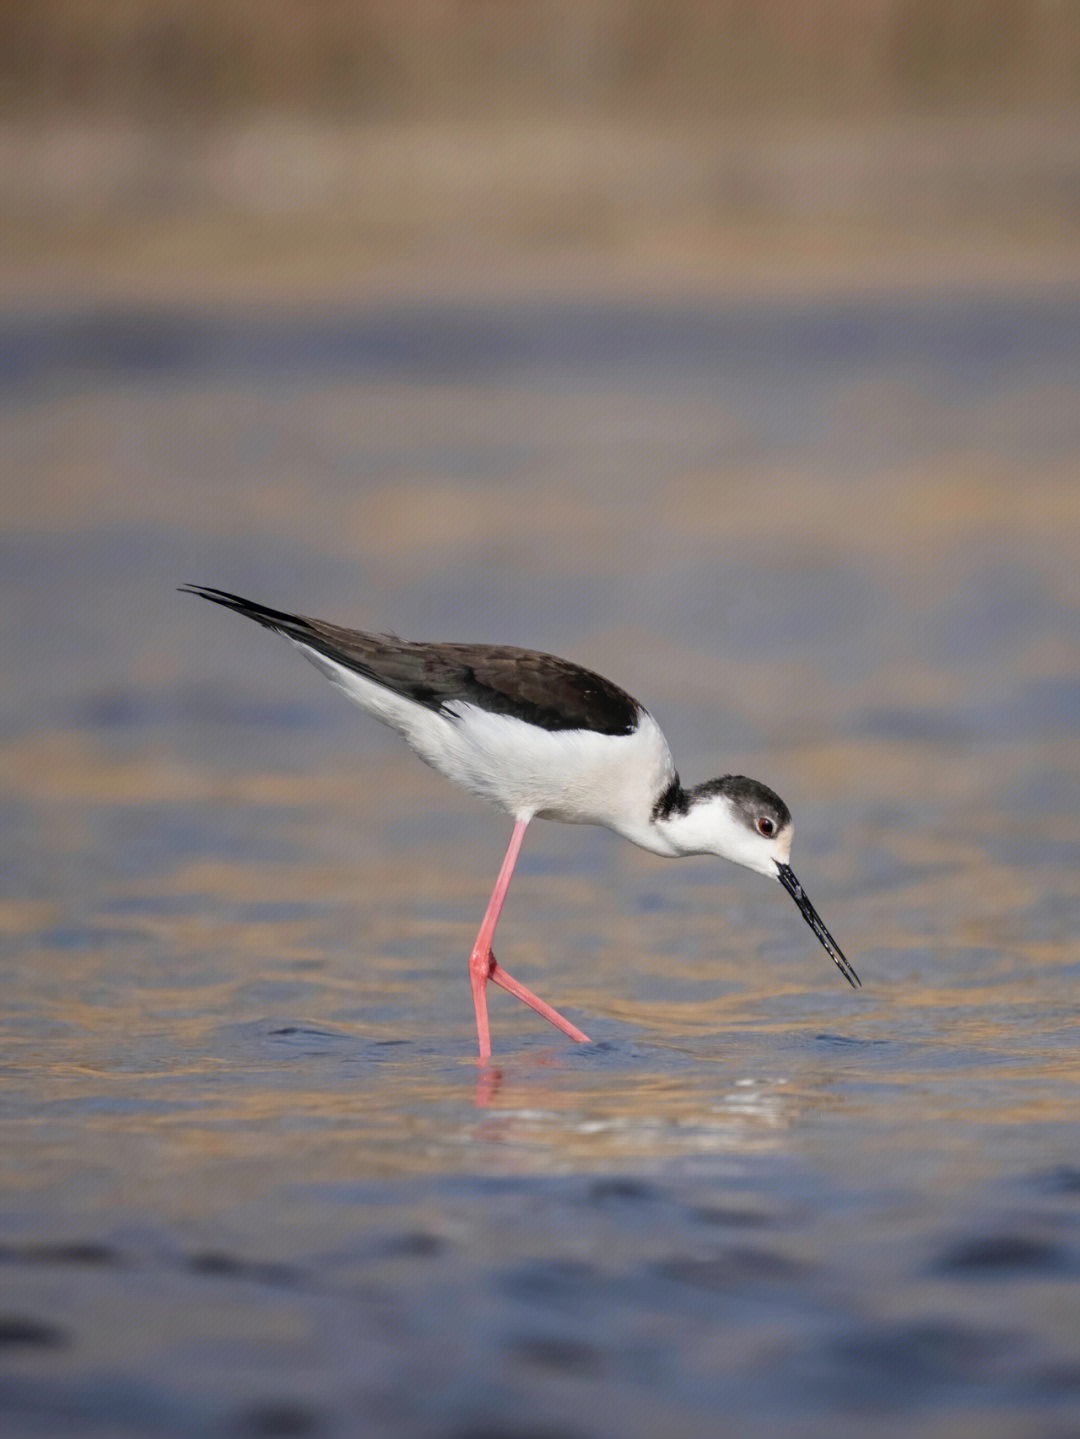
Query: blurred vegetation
[(408, 59), (186, 136)]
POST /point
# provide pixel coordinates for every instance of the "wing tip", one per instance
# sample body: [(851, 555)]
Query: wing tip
[(207, 592), (262, 614)]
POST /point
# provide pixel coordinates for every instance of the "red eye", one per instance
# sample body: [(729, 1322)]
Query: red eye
[(766, 827)]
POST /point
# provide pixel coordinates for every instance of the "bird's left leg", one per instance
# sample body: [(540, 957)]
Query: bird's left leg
[(482, 965)]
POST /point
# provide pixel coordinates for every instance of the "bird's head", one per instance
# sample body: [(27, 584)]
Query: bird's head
[(743, 820)]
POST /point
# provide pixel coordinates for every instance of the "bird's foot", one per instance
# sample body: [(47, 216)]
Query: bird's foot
[(499, 976), (482, 967)]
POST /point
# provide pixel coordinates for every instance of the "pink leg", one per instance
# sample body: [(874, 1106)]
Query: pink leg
[(498, 975), (480, 958), (482, 966)]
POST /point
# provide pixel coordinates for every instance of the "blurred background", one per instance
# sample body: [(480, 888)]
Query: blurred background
[(175, 148), (730, 349)]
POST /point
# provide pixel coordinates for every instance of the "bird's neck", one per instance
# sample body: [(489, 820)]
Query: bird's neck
[(672, 821), (694, 821), (663, 829)]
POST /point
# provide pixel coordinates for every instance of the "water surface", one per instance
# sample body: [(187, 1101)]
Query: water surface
[(253, 1180)]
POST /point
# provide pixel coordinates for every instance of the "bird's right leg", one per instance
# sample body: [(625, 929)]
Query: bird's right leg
[(499, 976), (480, 960)]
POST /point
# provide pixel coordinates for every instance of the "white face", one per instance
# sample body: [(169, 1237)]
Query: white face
[(718, 826), (764, 853)]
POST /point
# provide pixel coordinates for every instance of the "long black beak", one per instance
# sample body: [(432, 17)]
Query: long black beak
[(813, 919)]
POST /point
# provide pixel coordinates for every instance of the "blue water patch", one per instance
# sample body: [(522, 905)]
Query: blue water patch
[(975, 341), (929, 724), (148, 839), (159, 906), (278, 911), (1004, 1254), (80, 938), (120, 707), (283, 1039)]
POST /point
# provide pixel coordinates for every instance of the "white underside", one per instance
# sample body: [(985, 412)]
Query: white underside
[(571, 775)]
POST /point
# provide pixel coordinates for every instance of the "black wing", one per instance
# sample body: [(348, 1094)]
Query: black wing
[(537, 688)]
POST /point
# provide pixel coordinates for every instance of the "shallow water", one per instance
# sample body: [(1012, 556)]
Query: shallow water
[(253, 1180)]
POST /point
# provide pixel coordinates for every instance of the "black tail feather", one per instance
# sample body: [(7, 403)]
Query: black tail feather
[(294, 626)]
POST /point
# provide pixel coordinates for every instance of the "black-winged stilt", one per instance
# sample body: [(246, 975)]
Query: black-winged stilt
[(544, 738)]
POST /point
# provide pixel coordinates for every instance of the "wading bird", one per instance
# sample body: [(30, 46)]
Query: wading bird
[(544, 739)]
